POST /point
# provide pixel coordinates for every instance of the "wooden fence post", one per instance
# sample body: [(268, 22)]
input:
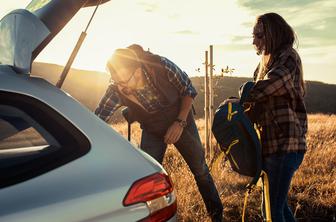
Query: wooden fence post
[(211, 102), (206, 105)]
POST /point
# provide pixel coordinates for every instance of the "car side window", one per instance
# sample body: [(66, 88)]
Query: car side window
[(34, 139), (22, 136)]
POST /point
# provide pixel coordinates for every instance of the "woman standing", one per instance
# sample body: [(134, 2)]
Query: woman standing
[(278, 95)]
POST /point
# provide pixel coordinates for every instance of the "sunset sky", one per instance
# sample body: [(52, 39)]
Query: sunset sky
[(183, 30)]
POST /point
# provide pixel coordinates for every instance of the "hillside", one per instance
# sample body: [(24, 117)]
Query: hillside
[(89, 86), (319, 99), (85, 86)]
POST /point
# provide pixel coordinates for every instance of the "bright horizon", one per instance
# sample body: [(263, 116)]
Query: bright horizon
[(183, 31)]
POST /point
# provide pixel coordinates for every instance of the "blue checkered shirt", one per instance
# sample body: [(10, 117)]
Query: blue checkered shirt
[(149, 96)]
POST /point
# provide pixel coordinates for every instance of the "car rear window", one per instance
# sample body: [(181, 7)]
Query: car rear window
[(22, 136), (34, 139)]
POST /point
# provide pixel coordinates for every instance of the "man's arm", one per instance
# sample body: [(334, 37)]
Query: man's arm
[(108, 104), (179, 79), (183, 84), (186, 104), (174, 132)]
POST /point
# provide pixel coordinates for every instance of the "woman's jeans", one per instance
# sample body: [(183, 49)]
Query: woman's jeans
[(280, 169), (190, 147)]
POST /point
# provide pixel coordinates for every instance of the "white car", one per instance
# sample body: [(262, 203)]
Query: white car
[(58, 161)]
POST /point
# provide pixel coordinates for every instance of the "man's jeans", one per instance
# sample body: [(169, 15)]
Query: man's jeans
[(280, 169), (190, 147)]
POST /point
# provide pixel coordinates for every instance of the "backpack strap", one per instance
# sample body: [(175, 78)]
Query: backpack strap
[(247, 193), (244, 91)]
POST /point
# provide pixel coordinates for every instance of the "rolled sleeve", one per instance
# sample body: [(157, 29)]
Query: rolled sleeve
[(108, 104), (279, 82), (179, 79)]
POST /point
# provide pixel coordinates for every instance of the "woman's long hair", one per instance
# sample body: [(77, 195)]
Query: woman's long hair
[(278, 35)]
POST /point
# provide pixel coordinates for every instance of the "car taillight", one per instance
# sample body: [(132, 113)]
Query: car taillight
[(157, 192)]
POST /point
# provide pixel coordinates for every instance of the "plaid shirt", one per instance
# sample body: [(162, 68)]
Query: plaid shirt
[(283, 116), (149, 96)]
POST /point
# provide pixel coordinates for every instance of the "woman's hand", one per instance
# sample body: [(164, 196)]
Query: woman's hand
[(173, 133)]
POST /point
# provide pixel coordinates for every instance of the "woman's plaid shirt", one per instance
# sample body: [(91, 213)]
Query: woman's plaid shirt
[(283, 116), (148, 98)]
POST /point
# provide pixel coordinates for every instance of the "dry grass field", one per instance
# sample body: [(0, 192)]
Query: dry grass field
[(312, 195)]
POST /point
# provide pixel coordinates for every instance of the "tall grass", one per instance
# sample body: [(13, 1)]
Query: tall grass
[(312, 196)]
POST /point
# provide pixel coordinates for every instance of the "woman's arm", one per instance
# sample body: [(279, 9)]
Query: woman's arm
[(278, 82)]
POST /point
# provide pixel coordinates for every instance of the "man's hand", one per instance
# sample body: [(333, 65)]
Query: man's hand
[(173, 133)]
